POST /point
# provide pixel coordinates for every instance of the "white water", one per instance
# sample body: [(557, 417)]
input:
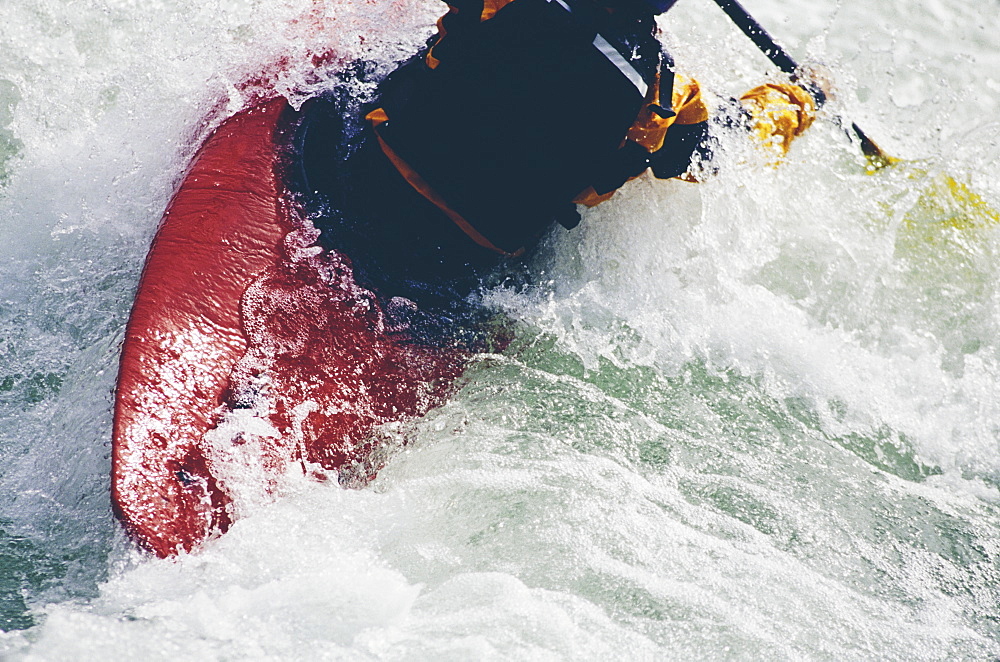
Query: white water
[(752, 419)]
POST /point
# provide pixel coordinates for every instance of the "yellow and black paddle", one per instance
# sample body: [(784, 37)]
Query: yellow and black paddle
[(877, 158), (954, 201)]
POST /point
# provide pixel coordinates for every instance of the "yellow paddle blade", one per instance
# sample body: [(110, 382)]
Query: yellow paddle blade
[(943, 272), (946, 201), (879, 160)]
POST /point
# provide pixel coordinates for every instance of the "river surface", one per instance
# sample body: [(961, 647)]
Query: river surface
[(753, 419)]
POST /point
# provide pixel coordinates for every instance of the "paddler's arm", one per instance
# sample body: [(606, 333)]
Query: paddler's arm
[(773, 115), (663, 136), (686, 136)]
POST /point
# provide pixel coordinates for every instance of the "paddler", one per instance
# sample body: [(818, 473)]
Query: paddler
[(518, 112)]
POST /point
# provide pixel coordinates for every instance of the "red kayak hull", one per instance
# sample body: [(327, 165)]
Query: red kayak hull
[(231, 295)]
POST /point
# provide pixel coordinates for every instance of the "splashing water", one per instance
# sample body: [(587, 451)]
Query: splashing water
[(753, 418)]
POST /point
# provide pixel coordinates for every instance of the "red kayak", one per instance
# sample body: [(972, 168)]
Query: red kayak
[(249, 352)]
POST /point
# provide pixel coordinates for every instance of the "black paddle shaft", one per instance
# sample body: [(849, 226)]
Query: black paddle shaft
[(751, 28), (776, 54)]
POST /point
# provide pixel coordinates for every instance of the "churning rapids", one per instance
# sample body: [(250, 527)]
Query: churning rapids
[(752, 419)]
